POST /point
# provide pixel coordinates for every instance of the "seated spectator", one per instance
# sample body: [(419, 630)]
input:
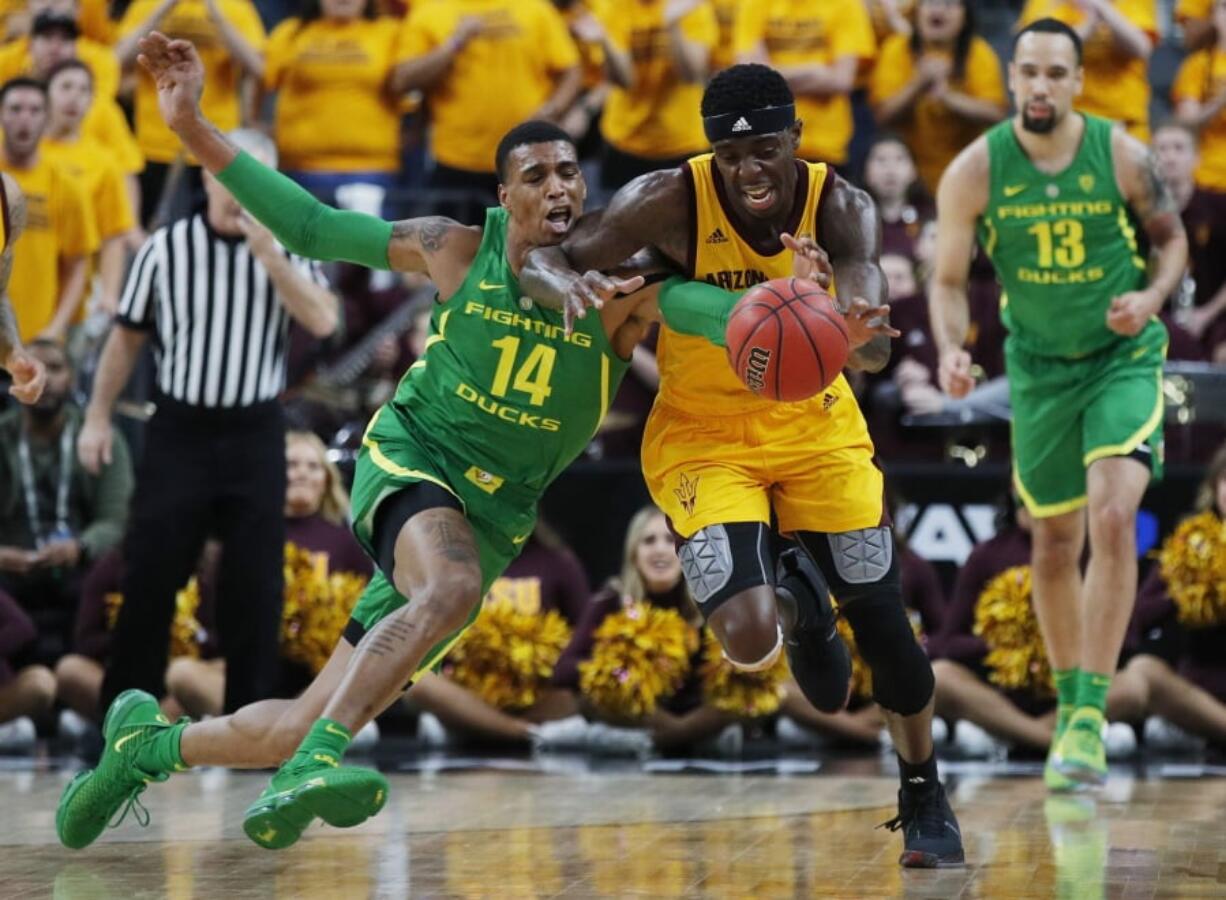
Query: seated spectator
[(890, 17), (1199, 97), (890, 176), (818, 48), (651, 574), (1118, 38), (55, 517), (1024, 717), (79, 674), (316, 510), (1196, 324), (939, 87), (1183, 665), (582, 120), (545, 576), (330, 65), (26, 690)]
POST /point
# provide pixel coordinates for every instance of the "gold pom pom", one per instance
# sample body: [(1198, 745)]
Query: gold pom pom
[(1193, 565), (317, 606), (735, 691), (640, 656), (1005, 619), (506, 656), (187, 635)]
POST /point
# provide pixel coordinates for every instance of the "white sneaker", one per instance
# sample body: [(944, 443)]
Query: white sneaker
[(432, 732), (366, 738), (608, 740), (18, 734), (73, 725), (975, 742), (791, 733), (1163, 735), (1119, 740), (728, 744), (940, 731), (570, 733)]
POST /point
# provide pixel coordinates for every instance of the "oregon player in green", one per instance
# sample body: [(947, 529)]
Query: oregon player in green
[(447, 481), (1053, 196)]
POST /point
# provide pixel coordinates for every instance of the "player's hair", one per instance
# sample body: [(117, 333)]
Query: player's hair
[(1206, 497), (67, 65), (962, 42), (534, 131), (334, 506), (20, 82), (1049, 25), (743, 88)]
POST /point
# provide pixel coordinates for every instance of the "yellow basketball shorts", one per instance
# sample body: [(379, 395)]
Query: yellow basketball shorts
[(811, 463)]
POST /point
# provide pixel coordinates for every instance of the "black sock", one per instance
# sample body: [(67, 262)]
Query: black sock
[(918, 777)]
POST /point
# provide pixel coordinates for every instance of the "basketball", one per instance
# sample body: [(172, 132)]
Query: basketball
[(785, 339)]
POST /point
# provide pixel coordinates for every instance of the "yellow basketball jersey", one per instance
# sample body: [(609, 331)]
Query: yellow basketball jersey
[(695, 376)]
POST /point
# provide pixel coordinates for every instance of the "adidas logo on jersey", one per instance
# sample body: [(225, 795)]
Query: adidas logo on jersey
[(717, 237), (741, 124)]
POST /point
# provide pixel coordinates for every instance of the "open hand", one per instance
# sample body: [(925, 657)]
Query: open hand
[(59, 554), (865, 322), (954, 373), (178, 73), (29, 376), (810, 261), (590, 291)]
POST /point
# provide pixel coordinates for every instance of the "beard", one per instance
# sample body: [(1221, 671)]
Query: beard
[(1039, 126)]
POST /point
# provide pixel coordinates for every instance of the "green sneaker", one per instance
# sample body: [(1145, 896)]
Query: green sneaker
[(93, 797), (343, 796), (1052, 776), (1080, 754)]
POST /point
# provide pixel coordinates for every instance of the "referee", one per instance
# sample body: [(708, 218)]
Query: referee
[(215, 292)]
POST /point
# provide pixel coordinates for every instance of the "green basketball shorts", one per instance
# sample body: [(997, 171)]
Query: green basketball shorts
[(394, 456), (1068, 413)]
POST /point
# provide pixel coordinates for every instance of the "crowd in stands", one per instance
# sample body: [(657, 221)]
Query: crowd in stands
[(395, 107)]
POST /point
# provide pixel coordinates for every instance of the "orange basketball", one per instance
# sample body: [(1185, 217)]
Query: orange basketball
[(785, 339)]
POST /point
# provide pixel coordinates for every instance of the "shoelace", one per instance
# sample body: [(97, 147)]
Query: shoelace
[(134, 806), (926, 812)]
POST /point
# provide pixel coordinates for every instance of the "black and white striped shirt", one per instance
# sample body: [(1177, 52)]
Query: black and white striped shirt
[(220, 329)]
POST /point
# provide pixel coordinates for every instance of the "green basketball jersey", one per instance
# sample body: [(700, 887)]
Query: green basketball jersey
[(1063, 245), (500, 387)]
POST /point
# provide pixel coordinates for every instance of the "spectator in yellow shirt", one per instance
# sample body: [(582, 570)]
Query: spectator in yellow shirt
[(940, 87), (48, 280), (818, 48), (69, 94), (485, 66), (581, 120), (1118, 38), (1196, 19), (229, 37), (723, 54), (337, 121), (1199, 95), (658, 63), (54, 36)]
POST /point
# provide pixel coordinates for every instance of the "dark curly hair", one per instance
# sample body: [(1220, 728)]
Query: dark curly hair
[(534, 131), (745, 87)]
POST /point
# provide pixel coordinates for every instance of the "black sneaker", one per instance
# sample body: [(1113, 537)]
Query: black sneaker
[(817, 655), (931, 838)]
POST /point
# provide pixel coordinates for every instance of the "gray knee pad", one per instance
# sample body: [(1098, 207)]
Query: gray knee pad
[(720, 561)]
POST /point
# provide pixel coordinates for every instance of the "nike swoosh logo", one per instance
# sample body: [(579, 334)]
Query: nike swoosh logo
[(1014, 189), (486, 286), (519, 540), (123, 740), (332, 729)]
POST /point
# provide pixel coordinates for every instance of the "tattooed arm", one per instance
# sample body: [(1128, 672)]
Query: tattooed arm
[(1136, 173), (26, 370), (850, 232)]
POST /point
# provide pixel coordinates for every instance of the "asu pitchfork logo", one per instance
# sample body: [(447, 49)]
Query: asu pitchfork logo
[(687, 493)]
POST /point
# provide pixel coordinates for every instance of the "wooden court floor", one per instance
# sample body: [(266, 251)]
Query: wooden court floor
[(513, 834)]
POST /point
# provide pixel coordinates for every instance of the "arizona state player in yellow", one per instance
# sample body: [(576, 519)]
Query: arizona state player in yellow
[(26, 370), (720, 461)]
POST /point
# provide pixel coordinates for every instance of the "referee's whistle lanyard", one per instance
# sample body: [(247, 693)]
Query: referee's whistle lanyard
[(62, 531)]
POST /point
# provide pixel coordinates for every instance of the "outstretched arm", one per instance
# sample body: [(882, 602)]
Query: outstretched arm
[(301, 223), (29, 376), (850, 230), (1143, 188), (961, 197)]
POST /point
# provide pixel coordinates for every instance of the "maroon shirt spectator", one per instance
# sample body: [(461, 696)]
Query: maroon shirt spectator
[(922, 593), (336, 541), (16, 632), (545, 576), (1198, 654)]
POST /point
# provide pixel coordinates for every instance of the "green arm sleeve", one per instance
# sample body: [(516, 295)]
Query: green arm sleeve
[(301, 223), (696, 308)]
